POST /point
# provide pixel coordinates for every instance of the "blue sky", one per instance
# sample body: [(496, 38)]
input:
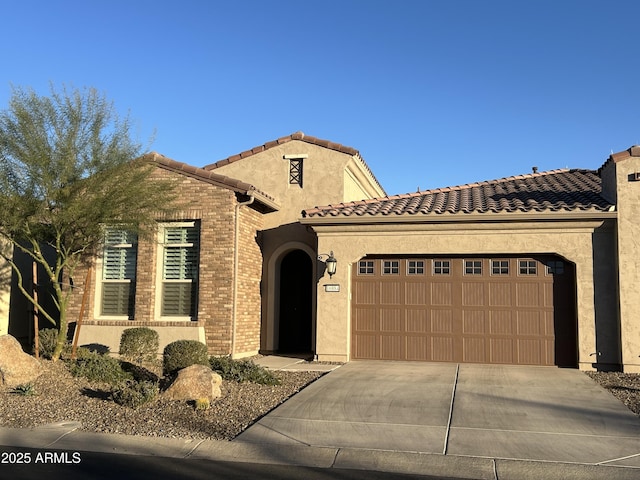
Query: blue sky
[(432, 93)]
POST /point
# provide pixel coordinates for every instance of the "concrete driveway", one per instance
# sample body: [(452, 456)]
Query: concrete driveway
[(508, 412)]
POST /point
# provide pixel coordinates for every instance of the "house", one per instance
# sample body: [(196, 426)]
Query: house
[(537, 269), (233, 268)]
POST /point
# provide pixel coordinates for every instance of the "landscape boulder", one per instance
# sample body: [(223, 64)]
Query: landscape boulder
[(16, 367), (195, 382)]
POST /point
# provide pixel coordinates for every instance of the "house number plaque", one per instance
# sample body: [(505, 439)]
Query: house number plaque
[(332, 287)]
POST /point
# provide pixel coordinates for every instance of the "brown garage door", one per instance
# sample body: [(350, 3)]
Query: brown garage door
[(465, 309)]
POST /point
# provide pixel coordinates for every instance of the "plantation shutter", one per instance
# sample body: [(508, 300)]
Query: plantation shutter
[(119, 273), (180, 270)]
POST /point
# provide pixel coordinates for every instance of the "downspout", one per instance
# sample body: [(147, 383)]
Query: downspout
[(235, 270)]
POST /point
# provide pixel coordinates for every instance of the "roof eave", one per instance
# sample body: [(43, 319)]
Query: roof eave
[(202, 175), (505, 217), (270, 204)]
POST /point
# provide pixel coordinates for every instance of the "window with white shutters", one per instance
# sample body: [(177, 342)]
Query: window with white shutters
[(180, 255), (118, 273)]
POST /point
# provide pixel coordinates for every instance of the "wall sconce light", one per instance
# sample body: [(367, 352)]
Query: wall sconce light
[(330, 262)]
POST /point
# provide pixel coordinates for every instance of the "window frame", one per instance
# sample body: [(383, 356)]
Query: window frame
[(393, 269), (370, 264), (501, 267), (160, 270), (419, 269), (439, 269), (295, 171), (554, 267), (530, 263), (473, 267), (101, 273)]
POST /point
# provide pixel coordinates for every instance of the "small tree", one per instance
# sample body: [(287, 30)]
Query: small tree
[(68, 167)]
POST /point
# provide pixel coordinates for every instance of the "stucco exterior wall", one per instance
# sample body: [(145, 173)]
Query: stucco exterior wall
[(628, 240), (322, 183), (357, 184), (605, 281), (571, 240)]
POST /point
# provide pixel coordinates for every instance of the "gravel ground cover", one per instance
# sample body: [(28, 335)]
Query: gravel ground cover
[(58, 396), (624, 386)]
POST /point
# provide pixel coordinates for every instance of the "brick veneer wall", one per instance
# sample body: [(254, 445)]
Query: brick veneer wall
[(248, 302), (213, 206)]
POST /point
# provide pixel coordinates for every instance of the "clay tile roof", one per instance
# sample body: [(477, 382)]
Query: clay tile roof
[(288, 138), (294, 136), (633, 151), (209, 177), (555, 190)]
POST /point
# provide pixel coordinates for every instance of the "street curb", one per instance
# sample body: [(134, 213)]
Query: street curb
[(66, 436)]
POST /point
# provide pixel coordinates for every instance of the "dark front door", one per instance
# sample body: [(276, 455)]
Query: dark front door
[(295, 303)]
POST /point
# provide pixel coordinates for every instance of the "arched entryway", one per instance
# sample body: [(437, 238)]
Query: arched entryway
[(295, 312)]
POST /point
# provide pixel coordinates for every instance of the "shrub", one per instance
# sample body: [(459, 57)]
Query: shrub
[(26, 390), (139, 345), (134, 394), (47, 340), (140, 373), (82, 352), (242, 371), (183, 353), (99, 368), (202, 404)]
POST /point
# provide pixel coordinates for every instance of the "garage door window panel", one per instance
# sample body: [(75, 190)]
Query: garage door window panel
[(366, 267), (390, 267), (473, 267), (499, 267), (415, 267), (555, 267), (441, 267), (527, 267)]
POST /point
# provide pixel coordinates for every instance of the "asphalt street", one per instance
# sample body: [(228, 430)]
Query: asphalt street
[(58, 464)]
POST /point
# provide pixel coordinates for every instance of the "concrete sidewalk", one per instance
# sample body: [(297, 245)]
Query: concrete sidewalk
[(472, 421), (293, 363), (66, 437)]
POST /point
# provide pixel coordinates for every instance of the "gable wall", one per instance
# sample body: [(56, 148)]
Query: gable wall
[(324, 178)]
